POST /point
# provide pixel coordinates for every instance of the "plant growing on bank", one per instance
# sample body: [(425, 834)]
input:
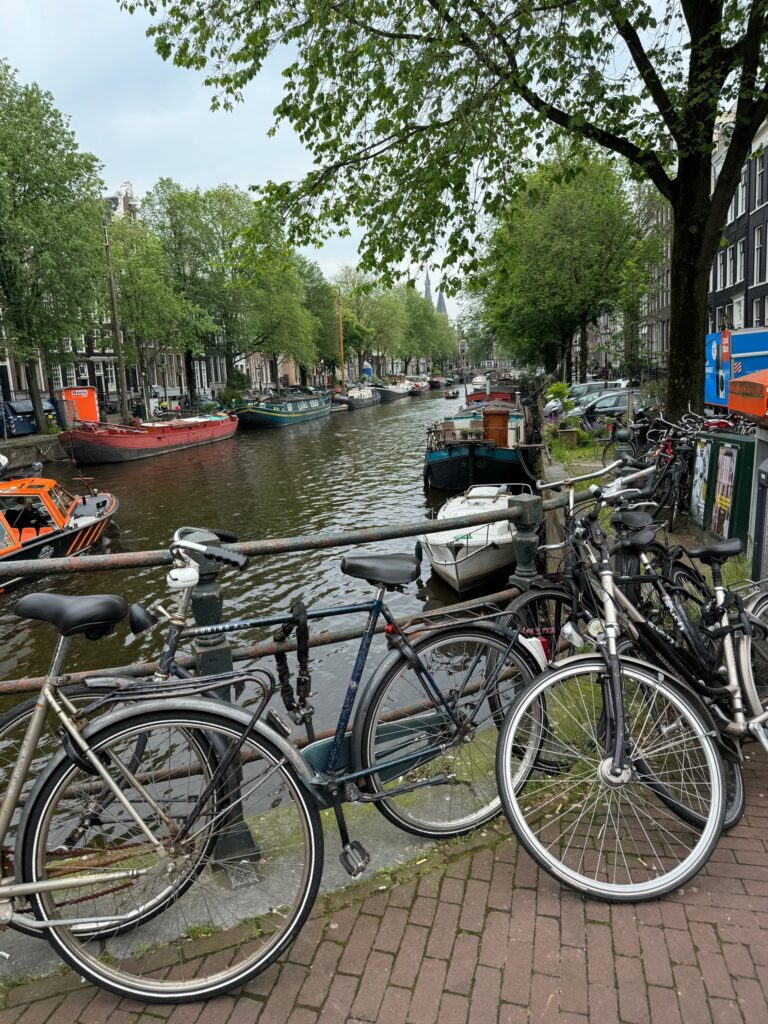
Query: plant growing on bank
[(421, 118)]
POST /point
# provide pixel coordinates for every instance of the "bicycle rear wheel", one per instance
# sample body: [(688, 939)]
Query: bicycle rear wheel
[(446, 747), (199, 915), (613, 840)]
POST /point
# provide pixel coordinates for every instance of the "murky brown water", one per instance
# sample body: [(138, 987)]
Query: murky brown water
[(352, 469)]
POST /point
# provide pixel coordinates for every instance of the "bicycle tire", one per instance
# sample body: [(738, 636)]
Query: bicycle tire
[(249, 899), (401, 719), (639, 852)]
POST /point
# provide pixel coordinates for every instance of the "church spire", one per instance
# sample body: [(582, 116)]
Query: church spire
[(428, 290), (441, 306)]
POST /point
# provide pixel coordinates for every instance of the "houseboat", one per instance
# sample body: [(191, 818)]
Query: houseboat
[(394, 391), (490, 444), (284, 411), (91, 443)]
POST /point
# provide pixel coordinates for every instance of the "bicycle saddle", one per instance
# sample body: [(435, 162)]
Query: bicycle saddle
[(627, 519), (95, 615), (718, 553), (638, 541), (386, 570)]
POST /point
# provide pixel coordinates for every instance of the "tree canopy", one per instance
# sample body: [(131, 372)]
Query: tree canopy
[(421, 117), (51, 252)]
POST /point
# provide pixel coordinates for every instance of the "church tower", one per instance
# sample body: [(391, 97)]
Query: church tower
[(428, 290)]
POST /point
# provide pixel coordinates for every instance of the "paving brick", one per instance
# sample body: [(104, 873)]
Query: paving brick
[(482, 865), (394, 1006), (427, 992), (429, 885), (452, 890), (359, 945), (461, 969), (493, 943), (453, 1009), (545, 999), (691, 995), (423, 911), (573, 980), (376, 904), (751, 998), (409, 956), (655, 955), (402, 895), (633, 1001), (500, 892), (626, 938), (342, 923), (725, 1011), (339, 1001), (321, 973), (714, 971), (391, 930), (516, 985), (473, 909), (484, 1005), (600, 955), (738, 960), (573, 929), (443, 932), (664, 1005), (373, 984), (278, 1006)]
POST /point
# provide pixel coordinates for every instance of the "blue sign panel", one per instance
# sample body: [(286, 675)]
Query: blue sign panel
[(732, 354)]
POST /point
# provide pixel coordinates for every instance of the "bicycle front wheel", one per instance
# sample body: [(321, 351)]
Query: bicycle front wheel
[(432, 751), (193, 915), (627, 839)]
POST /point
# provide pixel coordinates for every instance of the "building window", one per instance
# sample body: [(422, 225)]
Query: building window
[(757, 312), (719, 318), (759, 177), (71, 376), (722, 277), (56, 375), (109, 376), (731, 264), (738, 313), (758, 254), (741, 250), (743, 190)]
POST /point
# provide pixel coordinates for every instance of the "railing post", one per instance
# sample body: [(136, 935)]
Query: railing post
[(214, 654), (526, 540)]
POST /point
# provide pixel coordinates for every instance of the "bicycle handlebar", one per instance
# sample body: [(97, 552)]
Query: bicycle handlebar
[(557, 485)]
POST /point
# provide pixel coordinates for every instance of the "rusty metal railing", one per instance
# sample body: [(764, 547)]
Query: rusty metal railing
[(525, 510)]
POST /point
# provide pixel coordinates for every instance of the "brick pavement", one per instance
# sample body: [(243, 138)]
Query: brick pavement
[(475, 933)]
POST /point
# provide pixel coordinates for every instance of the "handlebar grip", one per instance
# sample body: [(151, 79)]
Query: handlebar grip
[(234, 558), (226, 536)]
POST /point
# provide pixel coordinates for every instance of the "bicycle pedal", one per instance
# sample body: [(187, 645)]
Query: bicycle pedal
[(354, 858)]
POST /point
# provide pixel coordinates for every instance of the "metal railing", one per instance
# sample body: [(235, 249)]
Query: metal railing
[(525, 510)]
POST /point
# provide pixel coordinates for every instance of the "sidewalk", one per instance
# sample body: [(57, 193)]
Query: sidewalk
[(474, 932)]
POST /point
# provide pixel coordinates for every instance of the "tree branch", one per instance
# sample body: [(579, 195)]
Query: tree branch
[(647, 161), (647, 71), (380, 32)]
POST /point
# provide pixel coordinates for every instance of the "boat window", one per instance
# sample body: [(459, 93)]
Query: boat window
[(25, 512), (62, 499), (7, 540)]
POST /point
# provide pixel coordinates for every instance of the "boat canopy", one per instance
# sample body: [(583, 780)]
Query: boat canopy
[(30, 508)]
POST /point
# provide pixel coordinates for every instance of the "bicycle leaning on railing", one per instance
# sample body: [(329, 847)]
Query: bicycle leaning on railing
[(173, 846)]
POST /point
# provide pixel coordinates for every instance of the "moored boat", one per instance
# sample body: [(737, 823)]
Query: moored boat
[(284, 411), (489, 444), (40, 519), (393, 392), (363, 396), (93, 443), (451, 393), (465, 555)]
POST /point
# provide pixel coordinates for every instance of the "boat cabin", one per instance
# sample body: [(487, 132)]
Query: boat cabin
[(31, 508)]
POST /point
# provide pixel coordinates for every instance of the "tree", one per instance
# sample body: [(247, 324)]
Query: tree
[(153, 314), (421, 117), (231, 258), (321, 301), (52, 269), (558, 258)]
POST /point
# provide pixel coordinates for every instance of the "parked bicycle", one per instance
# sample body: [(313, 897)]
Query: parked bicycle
[(172, 848)]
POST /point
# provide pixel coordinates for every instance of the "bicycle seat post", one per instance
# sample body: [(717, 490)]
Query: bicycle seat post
[(57, 660)]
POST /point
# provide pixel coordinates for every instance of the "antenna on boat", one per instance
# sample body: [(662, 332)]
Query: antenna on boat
[(122, 384)]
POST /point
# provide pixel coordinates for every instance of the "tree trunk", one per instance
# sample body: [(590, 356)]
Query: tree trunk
[(583, 349), (229, 365), (406, 364), (34, 394), (689, 279), (189, 372)]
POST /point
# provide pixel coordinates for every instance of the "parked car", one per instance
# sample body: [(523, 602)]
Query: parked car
[(613, 405), (579, 393)]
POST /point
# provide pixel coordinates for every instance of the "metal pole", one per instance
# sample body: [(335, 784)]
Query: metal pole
[(341, 340), (122, 386)]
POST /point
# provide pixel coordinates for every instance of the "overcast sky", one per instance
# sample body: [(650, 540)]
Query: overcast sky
[(146, 119)]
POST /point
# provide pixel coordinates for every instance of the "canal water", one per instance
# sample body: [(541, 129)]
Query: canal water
[(349, 470)]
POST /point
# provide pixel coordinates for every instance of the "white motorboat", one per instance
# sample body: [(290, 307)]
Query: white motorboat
[(465, 556), (391, 392)]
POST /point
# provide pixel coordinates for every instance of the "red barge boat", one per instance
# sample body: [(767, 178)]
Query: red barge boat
[(90, 443)]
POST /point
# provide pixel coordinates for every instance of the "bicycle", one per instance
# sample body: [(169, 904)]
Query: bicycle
[(233, 807)]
